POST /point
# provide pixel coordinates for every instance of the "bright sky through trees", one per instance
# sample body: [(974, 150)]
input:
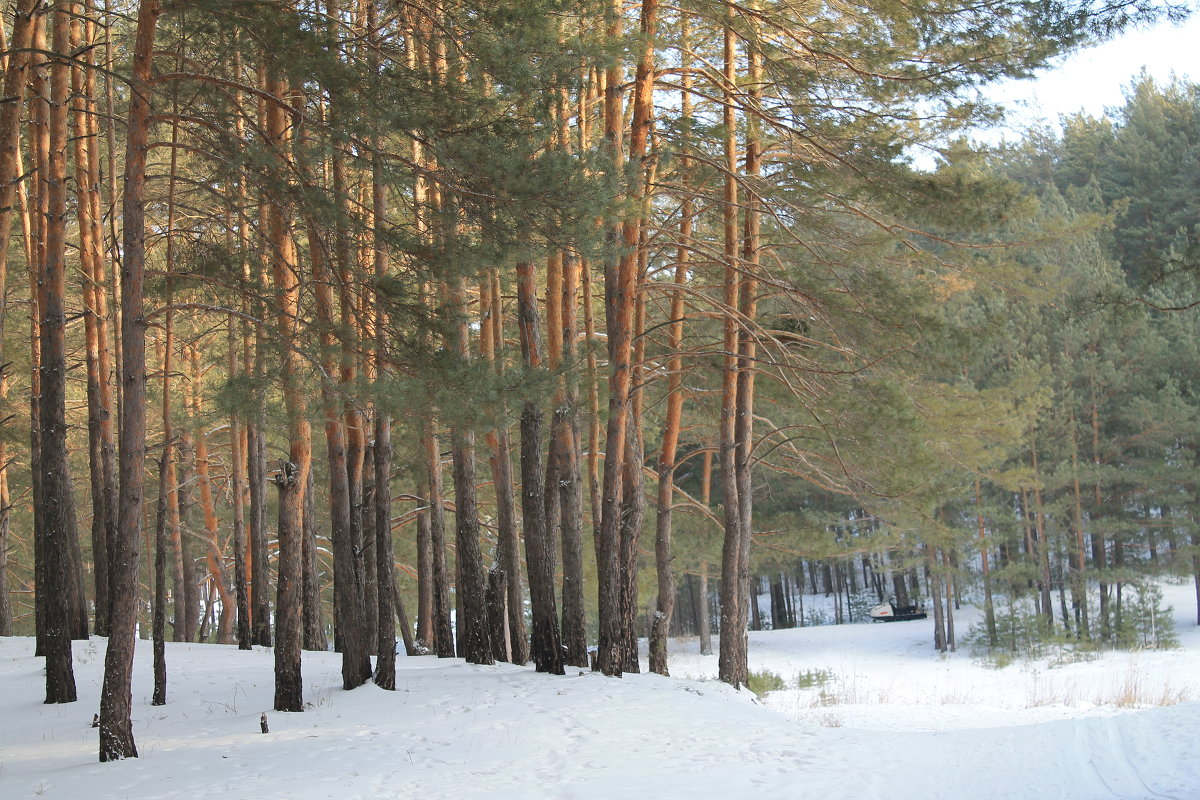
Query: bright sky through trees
[(1096, 78)]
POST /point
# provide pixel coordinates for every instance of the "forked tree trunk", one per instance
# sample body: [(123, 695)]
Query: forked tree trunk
[(116, 702)]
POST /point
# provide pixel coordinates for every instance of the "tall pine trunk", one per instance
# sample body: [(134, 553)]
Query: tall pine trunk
[(58, 531), (292, 478), (116, 702), (546, 644)]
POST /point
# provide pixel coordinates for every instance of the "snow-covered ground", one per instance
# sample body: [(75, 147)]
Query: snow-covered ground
[(882, 716)]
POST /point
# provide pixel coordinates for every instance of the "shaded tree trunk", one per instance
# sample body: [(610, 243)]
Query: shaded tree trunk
[(546, 645), (314, 626), (443, 635), (385, 665), (159, 614)]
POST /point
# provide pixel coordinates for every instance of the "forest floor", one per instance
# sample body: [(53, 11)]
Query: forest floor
[(868, 711)]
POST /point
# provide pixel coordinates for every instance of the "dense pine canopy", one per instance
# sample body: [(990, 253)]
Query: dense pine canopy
[(524, 328)]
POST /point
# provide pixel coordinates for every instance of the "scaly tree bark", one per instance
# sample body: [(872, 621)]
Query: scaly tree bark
[(665, 603), (732, 660), (158, 634), (385, 559), (443, 635), (620, 291), (214, 554), (57, 529), (347, 588), (747, 311), (472, 581), (237, 490), (101, 412), (292, 478), (116, 725), (570, 481), (15, 72), (546, 645), (491, 341)]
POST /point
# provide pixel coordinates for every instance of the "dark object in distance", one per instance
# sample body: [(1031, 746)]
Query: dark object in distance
[(890, 612)]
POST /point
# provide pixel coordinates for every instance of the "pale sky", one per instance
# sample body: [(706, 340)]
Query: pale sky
[(1095, 78)]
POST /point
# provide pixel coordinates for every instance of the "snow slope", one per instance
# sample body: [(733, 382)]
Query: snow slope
[(885, 718)]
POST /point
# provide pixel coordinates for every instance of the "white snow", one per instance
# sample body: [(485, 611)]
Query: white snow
[(884, 717)]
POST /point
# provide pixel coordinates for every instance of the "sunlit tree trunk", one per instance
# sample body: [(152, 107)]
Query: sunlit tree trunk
[(116, 702), (101, 441), (732, 660), (57, 529), (214, 555), (15, 72), (292, 477), (665, 603)]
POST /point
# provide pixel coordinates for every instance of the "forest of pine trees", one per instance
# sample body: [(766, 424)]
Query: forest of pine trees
[(520, 331)]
